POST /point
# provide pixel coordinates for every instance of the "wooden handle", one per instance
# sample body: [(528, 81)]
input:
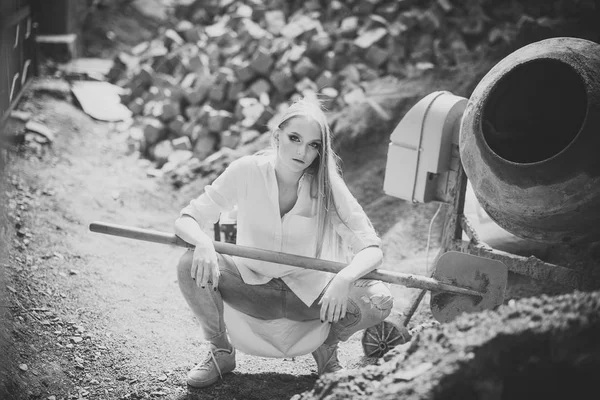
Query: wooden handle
[(399, 278)]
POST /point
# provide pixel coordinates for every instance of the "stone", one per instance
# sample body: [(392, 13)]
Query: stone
[(219, 121), (154, 130), (376, 56), (161, 151), (348, 27), (235, 89), (173, 39), (305, 68), (142, 79), (306, 85), (218, 91), (182, 143), (365, 7), (199, 93), (318, 45), (283, 81), (171, 109), (275, 21), (259, 87), (205, 146), (230, 139), (199, 63), (188, 80), (300, 25), (370, 38), (262, 62), (326, 79), (243, 71), (176, 125), (252, 30), (136, 106)]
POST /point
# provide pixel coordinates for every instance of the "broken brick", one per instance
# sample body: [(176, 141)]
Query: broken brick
[(283, 81), (262, 62), (176, 125), (259, 87), (219, 121), (305, 68), (370, 38), (182, 143), (154, 130), (376, 56)]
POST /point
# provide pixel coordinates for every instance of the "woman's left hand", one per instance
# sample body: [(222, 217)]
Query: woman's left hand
[(335, 299)]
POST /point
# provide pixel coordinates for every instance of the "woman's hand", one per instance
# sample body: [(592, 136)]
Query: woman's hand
[(205, 267), (335, 299)]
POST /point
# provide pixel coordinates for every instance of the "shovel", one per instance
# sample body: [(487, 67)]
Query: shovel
[(461, 283)]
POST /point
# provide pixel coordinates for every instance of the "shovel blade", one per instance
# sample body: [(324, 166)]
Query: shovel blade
[(469, 271)]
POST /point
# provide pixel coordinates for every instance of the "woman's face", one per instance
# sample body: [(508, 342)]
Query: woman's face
[(299, 143)]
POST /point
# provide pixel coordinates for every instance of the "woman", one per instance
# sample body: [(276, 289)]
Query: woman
[(290, 199)]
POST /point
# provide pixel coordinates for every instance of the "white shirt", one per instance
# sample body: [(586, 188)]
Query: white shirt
[(250, 184)]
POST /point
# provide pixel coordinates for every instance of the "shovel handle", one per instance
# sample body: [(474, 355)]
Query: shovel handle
[(398, 278)]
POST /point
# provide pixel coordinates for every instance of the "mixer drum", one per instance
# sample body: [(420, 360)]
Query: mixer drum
[(530, 141)]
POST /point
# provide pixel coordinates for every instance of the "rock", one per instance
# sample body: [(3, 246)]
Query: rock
[(154, 130), (23, 367), (306, 86), (161, 152), (283, 81), (262, 62), (275, 21), (376, 56), (305, 68), (230, 139), (176, 125), (169, 110), (348, 27), (318, 45), (259, 87), (173, 39), (326, 79), (300, 25), (204, 146), (370, 38), (136, 106), (219, 121), (182, 143), (243, 70)]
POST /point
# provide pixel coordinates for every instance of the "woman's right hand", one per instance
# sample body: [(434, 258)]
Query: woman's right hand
[(205, 267)]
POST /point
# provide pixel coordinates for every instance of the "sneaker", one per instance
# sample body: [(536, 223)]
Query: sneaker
[(326, 358), (217, 363)]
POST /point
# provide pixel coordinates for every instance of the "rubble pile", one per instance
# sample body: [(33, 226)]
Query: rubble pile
[(535, 348), (216, 81)]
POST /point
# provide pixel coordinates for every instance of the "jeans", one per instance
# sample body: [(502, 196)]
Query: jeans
[(369, 302)]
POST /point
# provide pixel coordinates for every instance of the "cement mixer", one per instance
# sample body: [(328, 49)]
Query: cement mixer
[(527, 141)]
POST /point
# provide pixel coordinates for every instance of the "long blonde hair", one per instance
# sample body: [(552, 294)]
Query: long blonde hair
[(326, 173)]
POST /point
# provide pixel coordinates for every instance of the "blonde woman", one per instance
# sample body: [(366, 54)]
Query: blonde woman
[(289, 199)]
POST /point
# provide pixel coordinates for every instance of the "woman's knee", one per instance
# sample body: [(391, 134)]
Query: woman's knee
[(184, 266)]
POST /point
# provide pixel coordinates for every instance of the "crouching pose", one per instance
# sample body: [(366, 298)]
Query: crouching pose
[(289, 199)]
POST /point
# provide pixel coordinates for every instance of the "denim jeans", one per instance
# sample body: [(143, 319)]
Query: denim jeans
[(369, 303)]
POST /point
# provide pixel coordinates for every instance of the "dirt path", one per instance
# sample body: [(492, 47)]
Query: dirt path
[(104, 314)]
